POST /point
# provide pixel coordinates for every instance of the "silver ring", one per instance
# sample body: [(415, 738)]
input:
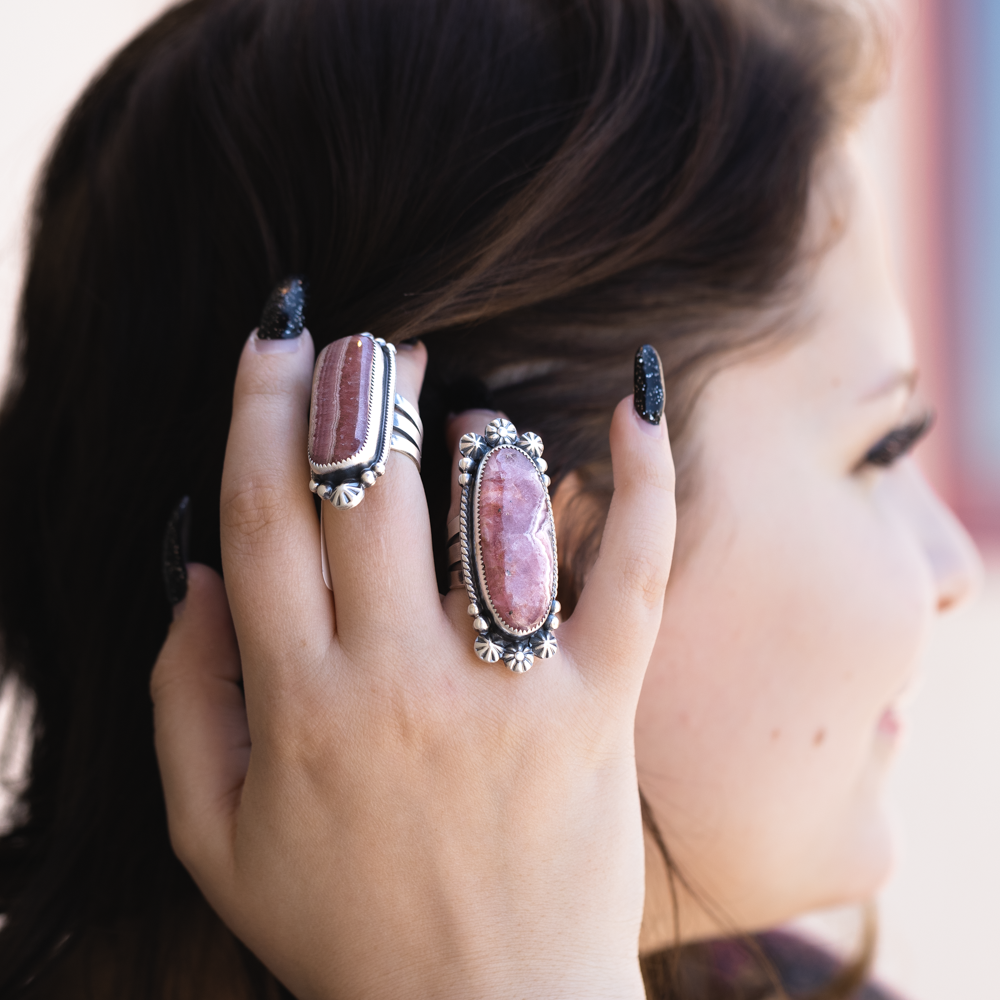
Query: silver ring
[(507, 546), (405, 407), (455, 576), (402, 444), (402, 424), (407, 429), (350, 418)]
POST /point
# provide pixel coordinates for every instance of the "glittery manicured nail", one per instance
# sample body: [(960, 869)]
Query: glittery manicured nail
[(648, 384), (175, 552), (283, 314)]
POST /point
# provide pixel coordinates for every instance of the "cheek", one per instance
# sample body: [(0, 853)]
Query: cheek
[(786, 635)]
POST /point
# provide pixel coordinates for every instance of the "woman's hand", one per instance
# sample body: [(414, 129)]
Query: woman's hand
[(385, 815)]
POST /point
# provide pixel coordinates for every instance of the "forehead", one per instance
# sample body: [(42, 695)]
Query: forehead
[(857, 338), (850, 335)]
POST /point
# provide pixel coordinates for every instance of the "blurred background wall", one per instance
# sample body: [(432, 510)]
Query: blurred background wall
[(934, 149)]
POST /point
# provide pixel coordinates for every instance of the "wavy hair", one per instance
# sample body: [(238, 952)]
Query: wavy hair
[(533, 186)]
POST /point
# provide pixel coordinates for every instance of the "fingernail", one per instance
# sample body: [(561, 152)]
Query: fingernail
[(175, 552), (284, 312), (648, 393)]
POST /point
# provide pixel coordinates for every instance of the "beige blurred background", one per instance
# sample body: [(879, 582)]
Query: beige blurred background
[(940, 922)]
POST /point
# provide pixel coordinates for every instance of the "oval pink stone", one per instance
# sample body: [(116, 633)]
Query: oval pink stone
[(515, 535), (341, 388)]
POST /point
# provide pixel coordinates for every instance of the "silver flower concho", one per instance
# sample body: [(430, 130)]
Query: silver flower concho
[(508, 545)]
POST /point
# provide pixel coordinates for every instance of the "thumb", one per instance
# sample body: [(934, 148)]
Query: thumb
[(202, 736)]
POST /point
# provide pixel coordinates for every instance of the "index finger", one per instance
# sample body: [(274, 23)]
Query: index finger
[(270, 533)]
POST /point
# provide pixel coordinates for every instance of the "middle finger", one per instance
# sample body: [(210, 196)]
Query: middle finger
[(380, 556)]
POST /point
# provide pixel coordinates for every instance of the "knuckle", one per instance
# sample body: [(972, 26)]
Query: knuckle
[(645, 576), (260, 384), (254, 506), (165, 676), (653, 481)]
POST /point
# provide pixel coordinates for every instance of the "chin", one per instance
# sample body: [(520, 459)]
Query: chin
[(862, 861)]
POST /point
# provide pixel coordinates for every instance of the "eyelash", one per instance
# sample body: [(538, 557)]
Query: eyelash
[(898, 442)]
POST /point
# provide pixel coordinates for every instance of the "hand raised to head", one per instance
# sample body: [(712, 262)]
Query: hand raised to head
[(385, 814)]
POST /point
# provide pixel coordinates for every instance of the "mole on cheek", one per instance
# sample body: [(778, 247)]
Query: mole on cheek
[(819, 737)]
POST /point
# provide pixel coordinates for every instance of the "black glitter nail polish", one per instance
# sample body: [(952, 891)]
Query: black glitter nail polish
[(175, 552), (283, 314), (648, 384)]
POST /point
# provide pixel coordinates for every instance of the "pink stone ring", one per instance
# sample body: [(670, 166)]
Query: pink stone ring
[(505, 541), (357, 418)]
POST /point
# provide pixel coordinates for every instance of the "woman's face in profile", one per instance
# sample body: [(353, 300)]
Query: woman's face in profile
[(795, 616)]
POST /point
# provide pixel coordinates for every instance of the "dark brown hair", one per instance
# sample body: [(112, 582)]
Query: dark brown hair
[(533, 186)]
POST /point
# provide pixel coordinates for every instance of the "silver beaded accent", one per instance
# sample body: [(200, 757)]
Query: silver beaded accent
[(487, 650), (532, 444), (519, 659), (471, 445), (348, 495), (544, 645), (500, 431)]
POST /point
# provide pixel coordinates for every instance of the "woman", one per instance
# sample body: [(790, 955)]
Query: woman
[(533, 190)]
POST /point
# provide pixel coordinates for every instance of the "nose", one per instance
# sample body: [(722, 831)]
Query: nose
[(955, 562)]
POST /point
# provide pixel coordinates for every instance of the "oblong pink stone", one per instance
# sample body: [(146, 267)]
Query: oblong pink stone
[(515, 535), (340, 402)]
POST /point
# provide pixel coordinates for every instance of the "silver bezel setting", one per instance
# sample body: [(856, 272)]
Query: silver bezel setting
[(496, 640), (344, 483)]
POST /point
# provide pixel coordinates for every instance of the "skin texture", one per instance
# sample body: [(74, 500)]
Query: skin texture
[(796, 613)]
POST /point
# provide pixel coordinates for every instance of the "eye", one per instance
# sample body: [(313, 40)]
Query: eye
[(898, 442)]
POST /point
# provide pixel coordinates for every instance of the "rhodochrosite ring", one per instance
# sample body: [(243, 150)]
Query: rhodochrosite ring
[(507, 543), (356, 417)]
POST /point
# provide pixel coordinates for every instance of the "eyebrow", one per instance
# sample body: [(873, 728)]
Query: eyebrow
[(905, 378)]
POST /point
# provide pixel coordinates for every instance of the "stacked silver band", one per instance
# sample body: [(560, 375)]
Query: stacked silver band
[(407, 429)]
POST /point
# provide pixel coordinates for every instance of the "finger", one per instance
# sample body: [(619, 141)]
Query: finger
[(202, 738), (270, 539), (618, 615), (381, 561)]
